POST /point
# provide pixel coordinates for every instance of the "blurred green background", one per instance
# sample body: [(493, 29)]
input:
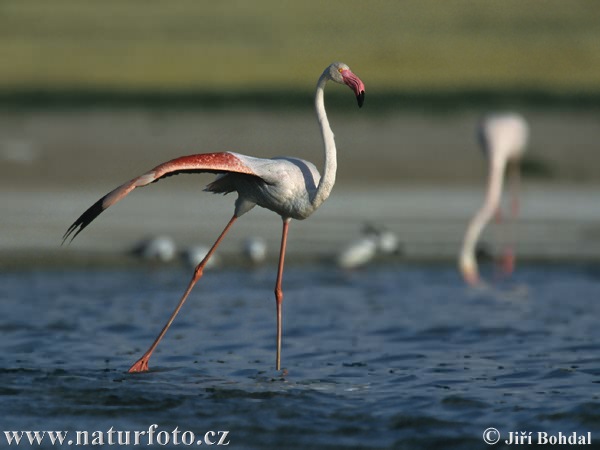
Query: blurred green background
[(64, 59), (424, 46)]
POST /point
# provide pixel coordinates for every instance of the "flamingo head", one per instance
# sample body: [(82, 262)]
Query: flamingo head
[(341, 73), (468, 268)]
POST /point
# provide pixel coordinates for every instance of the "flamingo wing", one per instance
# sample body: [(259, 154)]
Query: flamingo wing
[(222, 162)]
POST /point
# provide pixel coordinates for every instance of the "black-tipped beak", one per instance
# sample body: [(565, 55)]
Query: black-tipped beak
[(360, 98), (354, 83)]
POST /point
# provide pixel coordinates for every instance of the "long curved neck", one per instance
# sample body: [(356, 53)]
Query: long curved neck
[(467, 261), (329, 170)]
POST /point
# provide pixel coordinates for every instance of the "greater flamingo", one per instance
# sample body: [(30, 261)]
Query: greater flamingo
[(290, 187), (503, 138)]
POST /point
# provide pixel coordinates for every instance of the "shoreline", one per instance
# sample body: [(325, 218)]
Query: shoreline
[(429, 223)]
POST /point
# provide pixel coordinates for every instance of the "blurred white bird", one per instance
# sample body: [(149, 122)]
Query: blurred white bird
[(194, 255), (365, 249), (388, 243), (255, 250), (358, 253), (155, 249)]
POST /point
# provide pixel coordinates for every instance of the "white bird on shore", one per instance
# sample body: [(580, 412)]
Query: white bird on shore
[(358, 253), (388, 242), (291, 187), (255, 250), (193, 255), (503, 138), (156, 249), (373, 241)]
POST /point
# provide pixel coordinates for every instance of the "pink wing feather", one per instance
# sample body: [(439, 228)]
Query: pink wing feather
[(222, 162)]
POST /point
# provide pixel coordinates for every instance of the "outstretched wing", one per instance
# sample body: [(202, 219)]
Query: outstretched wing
[(223, 162)]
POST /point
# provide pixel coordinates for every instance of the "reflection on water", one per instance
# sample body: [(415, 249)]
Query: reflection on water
[(389, 357)]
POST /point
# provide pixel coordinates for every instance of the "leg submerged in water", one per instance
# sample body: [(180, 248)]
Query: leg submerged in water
[(279, 291)]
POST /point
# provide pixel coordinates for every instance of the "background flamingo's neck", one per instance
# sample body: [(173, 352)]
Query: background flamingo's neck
[(468, 263), (329, 170)]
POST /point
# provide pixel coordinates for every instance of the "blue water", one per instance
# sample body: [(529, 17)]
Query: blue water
[(388, 357)]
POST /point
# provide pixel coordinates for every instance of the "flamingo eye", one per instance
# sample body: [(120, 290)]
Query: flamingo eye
[(340, 70)]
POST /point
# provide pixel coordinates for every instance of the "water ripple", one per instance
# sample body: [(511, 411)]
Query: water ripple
[(388, 357)]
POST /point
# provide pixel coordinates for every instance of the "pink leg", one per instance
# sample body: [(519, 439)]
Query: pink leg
[(141, 365), (279, 292), (508, 259), (505, 262), (498, 215), (515, 204)]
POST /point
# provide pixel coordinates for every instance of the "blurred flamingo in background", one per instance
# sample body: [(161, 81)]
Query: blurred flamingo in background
[(503, 138), (290, 187)]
